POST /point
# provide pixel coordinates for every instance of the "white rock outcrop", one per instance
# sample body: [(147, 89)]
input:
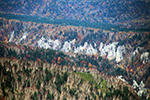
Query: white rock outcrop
[(90, 50), (56, 44), (67, 46), (11, 36), (81, 49), (121, 78), (48, 43), (135, 85), (24, 36), (141, 88), (144, 57), (136, 51), (86, 48), (112, 51), (42, 43), (108, 50), (119, 53)]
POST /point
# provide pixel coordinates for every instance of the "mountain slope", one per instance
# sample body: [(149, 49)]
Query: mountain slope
[(112, 52), (34, 80), (30, 65), (131, 13)]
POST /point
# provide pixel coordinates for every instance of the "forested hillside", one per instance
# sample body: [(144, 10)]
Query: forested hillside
[(131, 13), (69, 62), (99, 49), (24, 76)]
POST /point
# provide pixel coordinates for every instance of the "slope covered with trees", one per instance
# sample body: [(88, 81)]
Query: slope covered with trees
[(30, 33), (92, 45), (27, 79), (34, 69), (131, 13)]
